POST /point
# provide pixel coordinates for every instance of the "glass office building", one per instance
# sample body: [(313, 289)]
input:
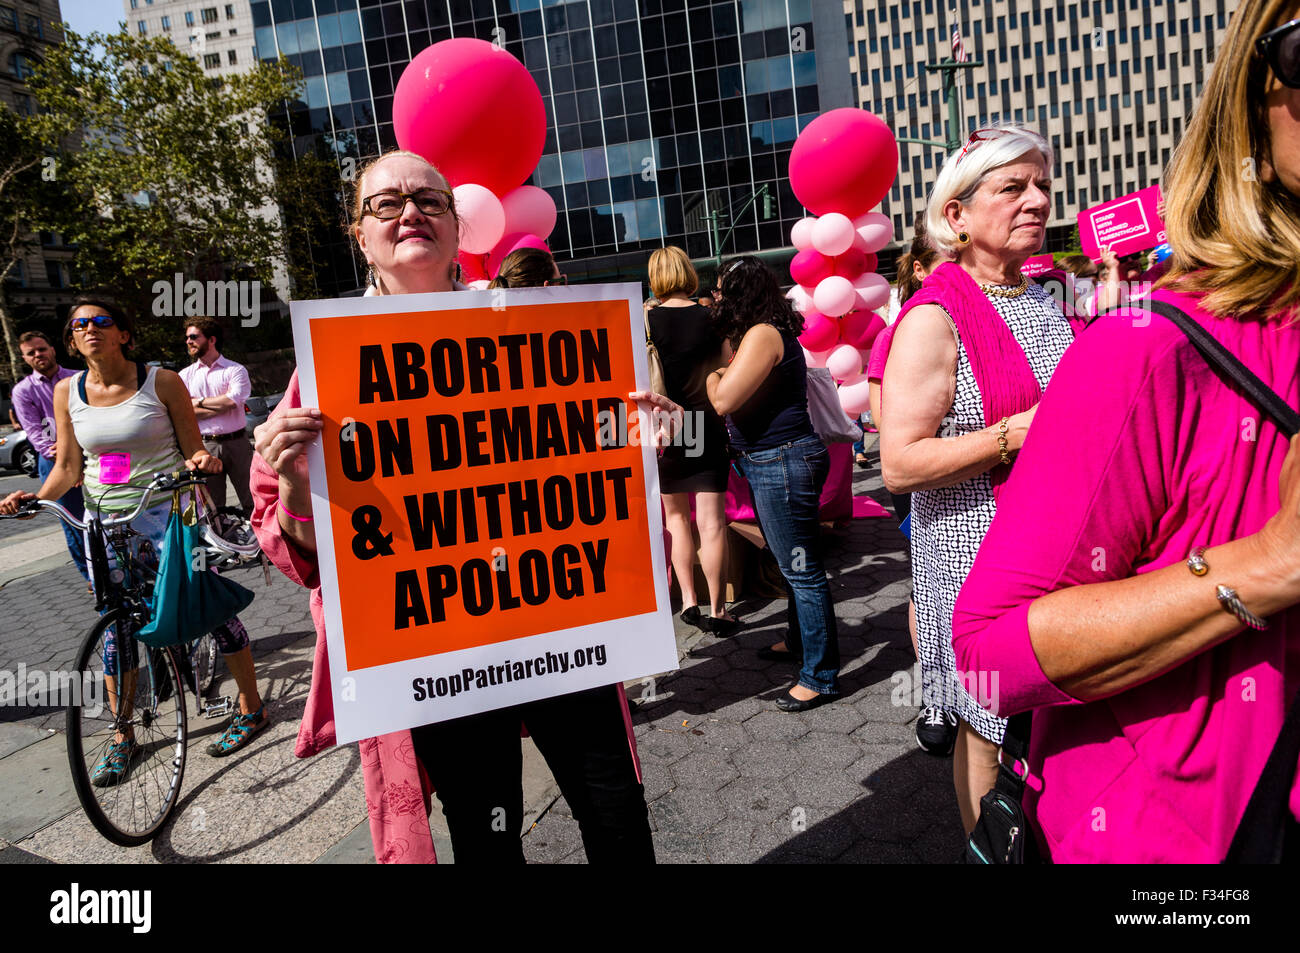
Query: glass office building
[(660, 113)]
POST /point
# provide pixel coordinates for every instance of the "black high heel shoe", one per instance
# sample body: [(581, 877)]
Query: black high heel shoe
[(788, 702)]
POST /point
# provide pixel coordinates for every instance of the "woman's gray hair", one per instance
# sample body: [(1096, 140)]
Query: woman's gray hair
[(964, 172)]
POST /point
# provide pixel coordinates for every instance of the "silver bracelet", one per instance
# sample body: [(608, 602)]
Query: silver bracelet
[(1228, 599)]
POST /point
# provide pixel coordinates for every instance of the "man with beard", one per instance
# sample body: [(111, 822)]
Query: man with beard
[(33, 399), (218, 387)]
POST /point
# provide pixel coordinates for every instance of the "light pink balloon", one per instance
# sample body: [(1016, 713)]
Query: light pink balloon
[(875, 231), (845, 364), (860, 328), (854, 398), (871, 290), (833, 234), (801, 298), (801, 233), (865, 354), (529, 211), (480, 284), (816, 358), (835, 296), (811, 266), (482, 219), (820, 333)]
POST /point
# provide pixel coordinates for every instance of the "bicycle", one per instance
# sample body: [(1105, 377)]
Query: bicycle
[(135, 691)]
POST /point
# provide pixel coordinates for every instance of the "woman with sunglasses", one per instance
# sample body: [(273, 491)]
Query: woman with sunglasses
[(762, 392), (970, 356), (1138, 588), (125, 423), (405, 225)]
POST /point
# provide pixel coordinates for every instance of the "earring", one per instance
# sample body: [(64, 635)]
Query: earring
[(371, 280), (963, 238)]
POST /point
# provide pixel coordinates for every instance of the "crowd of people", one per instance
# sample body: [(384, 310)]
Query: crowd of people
[(1097, 516)]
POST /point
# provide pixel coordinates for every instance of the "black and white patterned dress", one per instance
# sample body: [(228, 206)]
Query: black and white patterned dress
[(949, 524)]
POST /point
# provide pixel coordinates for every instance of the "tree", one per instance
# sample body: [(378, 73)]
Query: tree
[(168, 171), (21, 201)]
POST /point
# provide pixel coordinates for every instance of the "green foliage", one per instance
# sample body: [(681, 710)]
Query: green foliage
[(164, 169)]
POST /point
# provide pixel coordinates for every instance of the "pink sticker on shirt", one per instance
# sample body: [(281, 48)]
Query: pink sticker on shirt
[(114, 468)]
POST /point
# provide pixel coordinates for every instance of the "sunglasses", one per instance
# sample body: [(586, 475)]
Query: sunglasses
[(99, 320), (390, 203), (561, 280), (1281, 48)]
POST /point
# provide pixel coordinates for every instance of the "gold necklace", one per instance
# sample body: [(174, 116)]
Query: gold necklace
[(1000, 292)]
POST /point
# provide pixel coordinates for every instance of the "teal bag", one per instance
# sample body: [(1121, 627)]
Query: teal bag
[(188, 602)]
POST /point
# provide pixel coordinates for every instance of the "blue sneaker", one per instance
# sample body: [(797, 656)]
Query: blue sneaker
[(116, 765)]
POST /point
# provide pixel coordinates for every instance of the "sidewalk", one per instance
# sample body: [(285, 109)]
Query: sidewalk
[(728, 777)]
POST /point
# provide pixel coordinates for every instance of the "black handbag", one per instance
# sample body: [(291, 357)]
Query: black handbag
[(1002, 834)]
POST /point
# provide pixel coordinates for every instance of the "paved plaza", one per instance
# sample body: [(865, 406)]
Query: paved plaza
[(728, 777)]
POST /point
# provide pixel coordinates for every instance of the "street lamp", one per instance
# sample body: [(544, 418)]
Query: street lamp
[(949, 69)]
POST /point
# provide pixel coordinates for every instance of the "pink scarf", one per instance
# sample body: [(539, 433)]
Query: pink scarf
[(1006, 381)]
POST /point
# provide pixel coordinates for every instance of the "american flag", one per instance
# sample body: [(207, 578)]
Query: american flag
[(958, 48)]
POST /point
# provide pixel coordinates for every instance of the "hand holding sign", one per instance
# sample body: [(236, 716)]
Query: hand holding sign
[(283, 441), (665, 415)]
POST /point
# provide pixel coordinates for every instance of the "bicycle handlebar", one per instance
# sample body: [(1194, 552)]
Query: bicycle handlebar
[(162, 483)]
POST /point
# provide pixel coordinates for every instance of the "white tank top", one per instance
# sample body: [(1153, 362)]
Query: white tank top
[(127, 444)]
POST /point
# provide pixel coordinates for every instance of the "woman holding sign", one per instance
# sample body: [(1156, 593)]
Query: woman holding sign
[(405, 224), (764, 397)]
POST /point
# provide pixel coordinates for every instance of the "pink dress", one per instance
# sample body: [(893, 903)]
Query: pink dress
[(397, 788), (1138, 454)]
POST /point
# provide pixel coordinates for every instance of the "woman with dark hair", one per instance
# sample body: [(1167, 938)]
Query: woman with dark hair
[(763, 394), (527, 268), (125, 423)]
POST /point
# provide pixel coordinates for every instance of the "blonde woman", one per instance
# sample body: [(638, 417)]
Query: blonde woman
[(1148, 485), (689, 346)]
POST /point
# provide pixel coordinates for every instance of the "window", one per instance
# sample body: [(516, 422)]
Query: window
[(209, 14), (211, 60), (20, 67), (24, 104), (166, 23), (54, 273), (9, 17), (134, 4), (141, 28), (33, 24), (230, 11), (231, 58), (189, 18)]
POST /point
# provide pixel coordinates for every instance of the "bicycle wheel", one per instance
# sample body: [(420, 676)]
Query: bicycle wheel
[(203, 659), (141, 696)]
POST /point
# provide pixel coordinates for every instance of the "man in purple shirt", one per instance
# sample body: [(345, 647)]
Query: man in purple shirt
[(33, 399)]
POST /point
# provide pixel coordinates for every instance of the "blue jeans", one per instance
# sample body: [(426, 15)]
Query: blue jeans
[(787, 484), (72, 503)]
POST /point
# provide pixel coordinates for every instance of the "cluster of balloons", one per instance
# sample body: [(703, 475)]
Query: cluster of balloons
[(842, 166), (473, 110)]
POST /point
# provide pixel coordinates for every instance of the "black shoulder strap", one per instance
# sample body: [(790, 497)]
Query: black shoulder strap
[(1227, 365), (141, 374), (81, 387), (1015, 748)]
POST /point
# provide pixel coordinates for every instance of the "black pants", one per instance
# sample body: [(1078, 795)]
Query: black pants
[(476, 766)]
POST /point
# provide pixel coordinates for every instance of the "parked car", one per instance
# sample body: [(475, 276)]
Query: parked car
[(17, 452), (257, 409)]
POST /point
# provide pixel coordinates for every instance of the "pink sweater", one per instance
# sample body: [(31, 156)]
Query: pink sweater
[(1138, 454)]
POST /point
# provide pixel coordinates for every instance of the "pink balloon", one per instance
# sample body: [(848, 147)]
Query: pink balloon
[(448, 108), (875, 231), (844, 161), (833, 234), (472, 267), (834, 296), (482, 219), (845, 364), (860, 328), (512, 243), (816, 358), (820, 333), (854, 398), (872, 291), (801, 298), (809, 267), (479, 284), (529, 211), (850, 264), (801, 233)]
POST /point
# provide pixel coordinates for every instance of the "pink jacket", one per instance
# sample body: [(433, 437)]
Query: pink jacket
[(397, 788), (1138, 454)]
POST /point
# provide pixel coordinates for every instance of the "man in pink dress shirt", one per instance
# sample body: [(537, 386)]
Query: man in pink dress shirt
[(218, 387)]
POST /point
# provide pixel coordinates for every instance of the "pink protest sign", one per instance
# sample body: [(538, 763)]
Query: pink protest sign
[(1128, 224), (1037, 265), (114, 468)]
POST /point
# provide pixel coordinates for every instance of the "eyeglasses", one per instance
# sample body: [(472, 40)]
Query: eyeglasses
[(557, 280), (99, 320), (390, 203), (1281, 48), (978, 136)]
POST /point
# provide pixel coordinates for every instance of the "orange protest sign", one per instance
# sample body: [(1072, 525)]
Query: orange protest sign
[(483, 483)]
